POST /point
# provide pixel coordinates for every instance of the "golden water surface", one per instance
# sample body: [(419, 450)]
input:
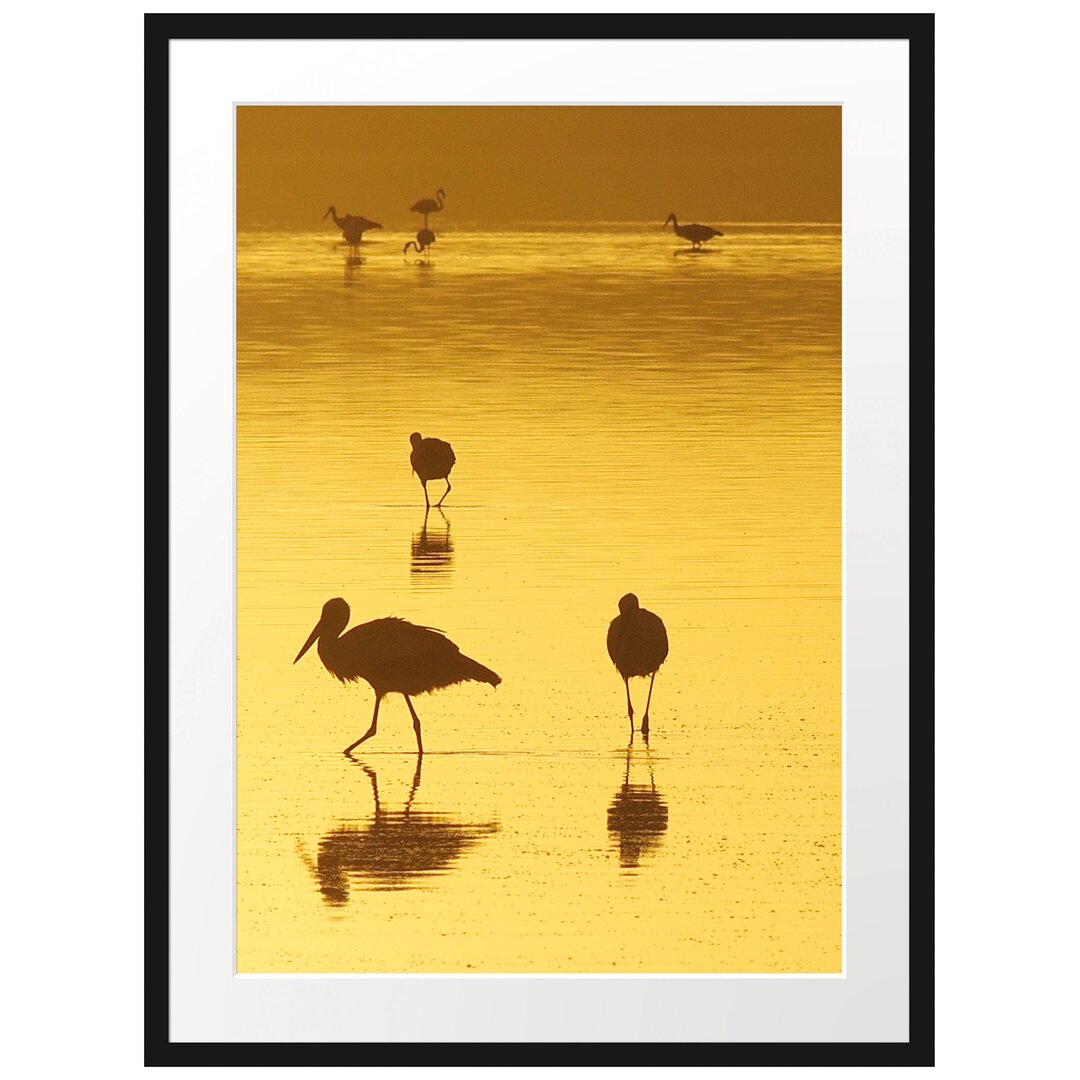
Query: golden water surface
[(624, 419)]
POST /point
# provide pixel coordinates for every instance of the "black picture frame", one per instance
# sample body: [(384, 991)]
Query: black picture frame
[(918, 31)]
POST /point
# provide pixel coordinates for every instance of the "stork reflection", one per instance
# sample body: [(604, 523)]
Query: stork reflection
[(397, 849), (432, 548), (637, 817)]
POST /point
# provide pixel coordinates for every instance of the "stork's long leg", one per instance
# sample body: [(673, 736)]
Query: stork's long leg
[(645, 718), (445, 493), (427, 504), (370, 731), (629, 705), (415, 724)]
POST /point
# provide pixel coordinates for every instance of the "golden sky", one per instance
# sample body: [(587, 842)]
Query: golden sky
[(505, 165)]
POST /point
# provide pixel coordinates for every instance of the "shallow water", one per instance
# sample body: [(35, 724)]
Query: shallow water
[(625, 418)]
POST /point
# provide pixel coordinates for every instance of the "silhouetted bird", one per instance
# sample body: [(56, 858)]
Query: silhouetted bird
[(394, 850), (429, 206), (638, 816), (352, 228), (431, 459), (696, 234), (424, 239), (637, 644), (394, 656)]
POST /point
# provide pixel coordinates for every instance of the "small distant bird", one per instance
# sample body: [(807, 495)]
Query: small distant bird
[(352, 227), (431, 459), (424, 239), (696, 234), (429, 206), (637, 644), (394, 656)]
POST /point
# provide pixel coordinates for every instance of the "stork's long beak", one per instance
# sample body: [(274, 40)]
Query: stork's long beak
[(327, 214), (310, 641)]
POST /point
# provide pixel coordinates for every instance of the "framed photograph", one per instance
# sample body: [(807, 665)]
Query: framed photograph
[(541, 656)]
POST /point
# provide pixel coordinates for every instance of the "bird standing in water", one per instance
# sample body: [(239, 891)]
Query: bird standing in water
[(424, 239), (352, 227), (637, 644), (696, 234), (429, 206), (394, 656), (431, 459)]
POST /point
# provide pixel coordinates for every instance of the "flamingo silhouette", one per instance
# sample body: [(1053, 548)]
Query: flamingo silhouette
[(637, 644), (394, 656), (431, 459), (696, 234), (429, 206), (352, 227), (424, 239)]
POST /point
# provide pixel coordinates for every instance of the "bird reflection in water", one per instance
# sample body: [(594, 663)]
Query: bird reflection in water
[(397, 849), (637, 817), (353, 262), (432, 548)]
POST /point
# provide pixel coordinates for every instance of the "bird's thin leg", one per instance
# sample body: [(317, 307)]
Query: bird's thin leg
[(370, 731), (629, 706), (645, 718), (415, 724), (445, 493), (427, 504)]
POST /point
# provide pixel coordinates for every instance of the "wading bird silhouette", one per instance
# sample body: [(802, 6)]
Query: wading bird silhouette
[(424, 239), (637, 644), (393, 850), (352, 228), (429, 206), (696, 234), (394, 656), (431, 459)]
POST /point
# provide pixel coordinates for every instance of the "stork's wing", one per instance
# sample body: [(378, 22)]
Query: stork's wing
[(392, 640), (614, 632), (658, 628), (444, 451)]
